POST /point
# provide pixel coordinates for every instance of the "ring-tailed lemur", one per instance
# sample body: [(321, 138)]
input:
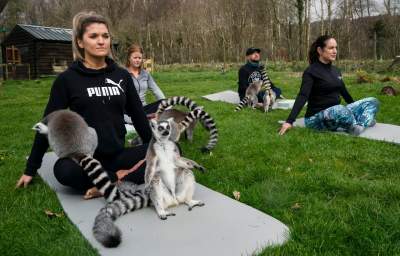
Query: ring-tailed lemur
[(168, 176), (68, 134), (179, 116), (251, 96), (254, 88), (205, 118), (129, 197), (125, 197), (270, 95)]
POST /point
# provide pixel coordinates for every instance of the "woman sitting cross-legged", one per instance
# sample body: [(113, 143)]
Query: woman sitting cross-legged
[(100, 91), (142, 79), (321, 87)]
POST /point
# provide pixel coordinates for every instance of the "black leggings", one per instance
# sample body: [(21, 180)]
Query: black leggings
[(71, 174)]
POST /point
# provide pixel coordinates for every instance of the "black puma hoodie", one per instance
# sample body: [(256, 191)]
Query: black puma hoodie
[(101, 97)]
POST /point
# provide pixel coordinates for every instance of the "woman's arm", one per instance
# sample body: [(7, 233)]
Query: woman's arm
[(345, 94), (302, 97), (155, 89), (134, 108), (58, 100)]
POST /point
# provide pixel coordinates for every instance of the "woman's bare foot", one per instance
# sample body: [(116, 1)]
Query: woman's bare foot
[(92, 193)]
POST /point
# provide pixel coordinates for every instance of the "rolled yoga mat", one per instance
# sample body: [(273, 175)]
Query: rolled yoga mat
[(222, 227)]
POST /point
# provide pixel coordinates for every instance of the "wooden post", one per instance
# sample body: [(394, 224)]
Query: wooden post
[(12, 54)]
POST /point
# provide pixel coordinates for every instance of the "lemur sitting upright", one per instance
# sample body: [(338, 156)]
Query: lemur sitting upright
[(254, 88), (168, 176), (130, 197)]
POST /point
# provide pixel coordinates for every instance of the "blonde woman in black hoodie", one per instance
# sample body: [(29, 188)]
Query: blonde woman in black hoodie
[(100, 91)]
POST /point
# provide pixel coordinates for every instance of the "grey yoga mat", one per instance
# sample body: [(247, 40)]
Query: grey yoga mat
[(222, 227), (380, 131), (233, 98)]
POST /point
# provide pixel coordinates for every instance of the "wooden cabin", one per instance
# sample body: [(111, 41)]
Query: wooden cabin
[(36, 51), (45, 50)]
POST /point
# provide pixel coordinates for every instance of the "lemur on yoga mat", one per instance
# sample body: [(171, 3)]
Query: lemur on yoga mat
[(169, 181), (251, 98), (70, 136), (178, 116)]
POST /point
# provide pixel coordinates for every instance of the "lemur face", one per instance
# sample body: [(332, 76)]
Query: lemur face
[(161, 129)]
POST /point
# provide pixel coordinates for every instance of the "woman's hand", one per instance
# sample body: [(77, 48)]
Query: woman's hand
[(122, 173), (284, 128), (24, 181)]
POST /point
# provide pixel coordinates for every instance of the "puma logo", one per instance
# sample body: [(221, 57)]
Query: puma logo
[(103, 91), (109, 81)]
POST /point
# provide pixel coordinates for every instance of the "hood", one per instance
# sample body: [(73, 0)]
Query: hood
[(79, 67)]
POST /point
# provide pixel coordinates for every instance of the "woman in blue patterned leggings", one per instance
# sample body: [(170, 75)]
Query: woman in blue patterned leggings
[(322, 87)]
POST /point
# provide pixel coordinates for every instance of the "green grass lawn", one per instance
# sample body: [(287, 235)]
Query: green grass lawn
[(338, 194)]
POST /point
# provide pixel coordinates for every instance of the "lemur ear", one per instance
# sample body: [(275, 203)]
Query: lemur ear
[(40, 128), (153, 123)]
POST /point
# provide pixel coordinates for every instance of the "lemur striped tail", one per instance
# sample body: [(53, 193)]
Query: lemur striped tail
[(176, 100), (196, 112), (266, 82), (99, 177), (242, 103), (104, 229), (207, 122), (120, 201)]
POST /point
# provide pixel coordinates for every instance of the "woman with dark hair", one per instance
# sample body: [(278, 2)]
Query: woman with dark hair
[(142, 80), (100, 91), (322, 85)]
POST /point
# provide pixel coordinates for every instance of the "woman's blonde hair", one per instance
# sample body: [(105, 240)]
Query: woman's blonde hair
[(133, 48), (79, 24)]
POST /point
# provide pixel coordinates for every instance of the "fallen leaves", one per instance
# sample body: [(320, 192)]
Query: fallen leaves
[(296, 206), (236, 195), (51, 214)]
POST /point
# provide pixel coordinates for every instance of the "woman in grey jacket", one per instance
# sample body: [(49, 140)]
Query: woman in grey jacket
[(142, 79)]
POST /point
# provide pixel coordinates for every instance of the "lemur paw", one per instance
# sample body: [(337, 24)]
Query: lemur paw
[(194, 204), (164, 216)]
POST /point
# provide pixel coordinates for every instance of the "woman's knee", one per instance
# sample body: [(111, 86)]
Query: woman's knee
[(336, 112), (69, 173), (60, 168), (372, 101)]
